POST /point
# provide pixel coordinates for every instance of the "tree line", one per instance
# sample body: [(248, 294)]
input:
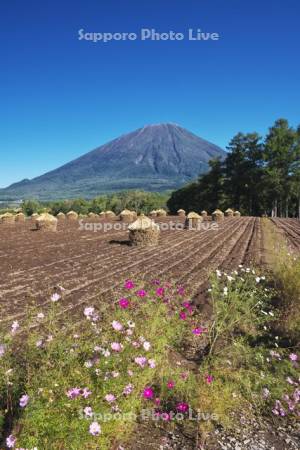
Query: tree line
[(260, 175), (140, 201)]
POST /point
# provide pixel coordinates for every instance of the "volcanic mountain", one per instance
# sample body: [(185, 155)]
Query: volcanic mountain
[(155, 158)]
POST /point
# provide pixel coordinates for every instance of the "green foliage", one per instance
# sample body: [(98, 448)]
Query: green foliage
[(251, 368), (140, 201), (257, 177), (56, 353)]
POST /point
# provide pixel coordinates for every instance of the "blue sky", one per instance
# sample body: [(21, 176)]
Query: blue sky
[(61, 97)]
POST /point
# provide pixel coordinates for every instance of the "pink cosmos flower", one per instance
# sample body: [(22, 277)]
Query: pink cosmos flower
[(152, 363), (88, 412), (15, 326), (140, 361), (86, 392), (55, 297), (146, 346), (182, 315), (128, 389), (209, 379), (160, 291), (180, 290), (141, 293), (2, 350), (148, 393), (11, 441), (117, 326), (293, 357), (171, 384), (89, 311), (129, 284), (95, 429), (110, 398), (73, 392), (182, 407), (24, 400), (116, 346), (197, 331), (123, 303)]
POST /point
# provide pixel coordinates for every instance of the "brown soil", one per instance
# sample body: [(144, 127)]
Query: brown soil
[(91, 265)]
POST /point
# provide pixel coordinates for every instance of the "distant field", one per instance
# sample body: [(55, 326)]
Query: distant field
[(89, 264)]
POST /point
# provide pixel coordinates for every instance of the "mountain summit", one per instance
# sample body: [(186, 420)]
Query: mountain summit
[(156, 157)]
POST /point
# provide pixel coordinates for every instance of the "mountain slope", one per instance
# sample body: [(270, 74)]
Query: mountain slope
[(156, 157)]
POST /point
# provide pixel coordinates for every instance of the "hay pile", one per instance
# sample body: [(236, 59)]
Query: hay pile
[(229, 212), (61, 216), (237, 214), (204, 214), (181, 212), (126, 216), (46, 222), (72, 215), (92, 215), (34, 216), (161, 213), (7, 218), (217, 216), (143, 232), (102, 215), (153, 214), (20, 217), (110, 215), (193, 221)]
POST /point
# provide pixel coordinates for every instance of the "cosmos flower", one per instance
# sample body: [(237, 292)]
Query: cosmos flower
[(198, 331), (117, 326), (170, 384), (15, 326), (73, 392), (128, 389), (152, 363), (182, 315), (24, 400), (110, 398), (95, 429), (140, 361), (123, 303), (129, 284), (148, 393), (141, 293), (182, 407), (89, 311), (293, 357), (86, 393), (11, 441), (2, 350), (116, 346), (146, 346), (209, 379), (160, 291), (88, 412), (55, 297)]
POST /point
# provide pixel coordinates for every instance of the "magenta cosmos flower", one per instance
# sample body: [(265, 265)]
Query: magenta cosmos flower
[(141, 293), (160, 291), (182, 315), (123, 303), (198, 331), (182, 407), (24, 400), (209, 379), (129, 284), (148, 393), (171, 384)]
